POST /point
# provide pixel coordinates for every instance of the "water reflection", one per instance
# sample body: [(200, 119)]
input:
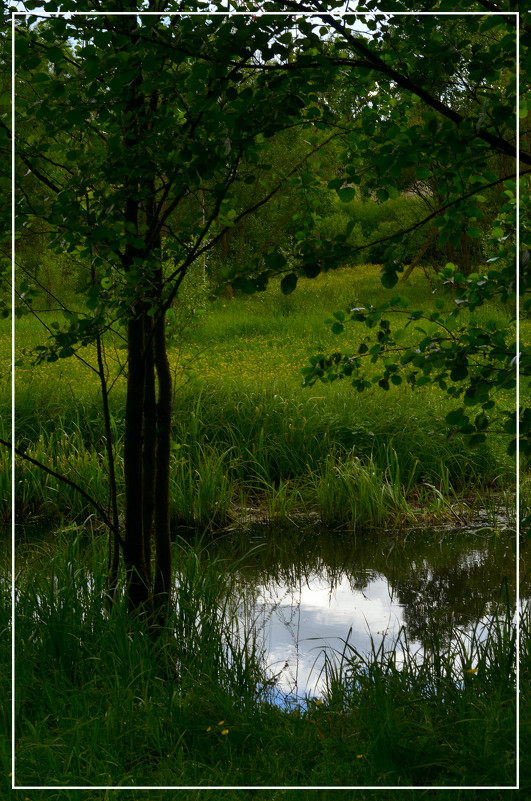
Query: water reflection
[(314, 591), (305, 590), (297, 624)]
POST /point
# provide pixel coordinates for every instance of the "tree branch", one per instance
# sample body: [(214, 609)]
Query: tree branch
[(378, 64), (70, 483)]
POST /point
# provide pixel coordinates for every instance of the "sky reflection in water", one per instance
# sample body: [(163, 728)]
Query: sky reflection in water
[(314, 602)]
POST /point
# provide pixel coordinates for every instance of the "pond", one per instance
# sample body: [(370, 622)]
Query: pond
[(307, 591)]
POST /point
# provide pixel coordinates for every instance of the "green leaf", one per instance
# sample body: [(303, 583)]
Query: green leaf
[(311, 270), (457, 417), (285, 38), (102, 38), (347, 194), (54, 54), (481, 422), (509, 425), (459, 372), (275, 261), (389, 280), (422, 173), (288, 283)]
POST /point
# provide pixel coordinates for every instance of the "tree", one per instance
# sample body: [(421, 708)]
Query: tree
[(140, 128), (141, 125), (456, 78)]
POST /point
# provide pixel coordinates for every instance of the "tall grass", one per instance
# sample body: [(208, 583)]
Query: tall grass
[(426, 704), (360, 494), (246, 435), (96, 699), (278, 447), (99, 702), (425, 700)]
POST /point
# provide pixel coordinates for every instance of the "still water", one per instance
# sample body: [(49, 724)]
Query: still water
[(305, 592)]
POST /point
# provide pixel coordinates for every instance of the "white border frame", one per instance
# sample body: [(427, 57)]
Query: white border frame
[(319, 15)]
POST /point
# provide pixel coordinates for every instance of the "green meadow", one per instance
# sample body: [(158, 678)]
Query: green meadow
[(249, 440)]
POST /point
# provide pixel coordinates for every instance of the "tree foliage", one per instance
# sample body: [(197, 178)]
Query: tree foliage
[(146, 140), (443, 106), (141, 132)]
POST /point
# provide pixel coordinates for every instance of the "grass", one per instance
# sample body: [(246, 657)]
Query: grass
[(98, 703), (421, 706), (247, 435), (280, 448)]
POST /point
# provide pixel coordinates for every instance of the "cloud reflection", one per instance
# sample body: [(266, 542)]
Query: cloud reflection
[(297, 623)]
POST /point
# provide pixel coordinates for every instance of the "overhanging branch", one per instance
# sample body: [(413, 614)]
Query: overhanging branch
[(70, 483), (378, 64)]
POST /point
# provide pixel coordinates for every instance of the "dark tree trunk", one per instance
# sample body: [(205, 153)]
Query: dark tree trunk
[(162, 486), (149, 443), (148, 411), (138, 582), (138, 592)]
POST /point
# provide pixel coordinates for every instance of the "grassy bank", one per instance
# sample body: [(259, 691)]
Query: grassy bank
[(97, 703), (239, 451), (248, 439)]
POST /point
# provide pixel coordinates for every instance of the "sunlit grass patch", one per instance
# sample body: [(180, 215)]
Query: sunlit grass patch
[(246, 433)]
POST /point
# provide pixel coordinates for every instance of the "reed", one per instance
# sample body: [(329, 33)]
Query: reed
[(359, 494)]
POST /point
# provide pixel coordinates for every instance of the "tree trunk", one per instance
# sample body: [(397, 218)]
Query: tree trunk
[(163, 572), (138, 581), (149, 443), (428, 242), (147, 419)]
